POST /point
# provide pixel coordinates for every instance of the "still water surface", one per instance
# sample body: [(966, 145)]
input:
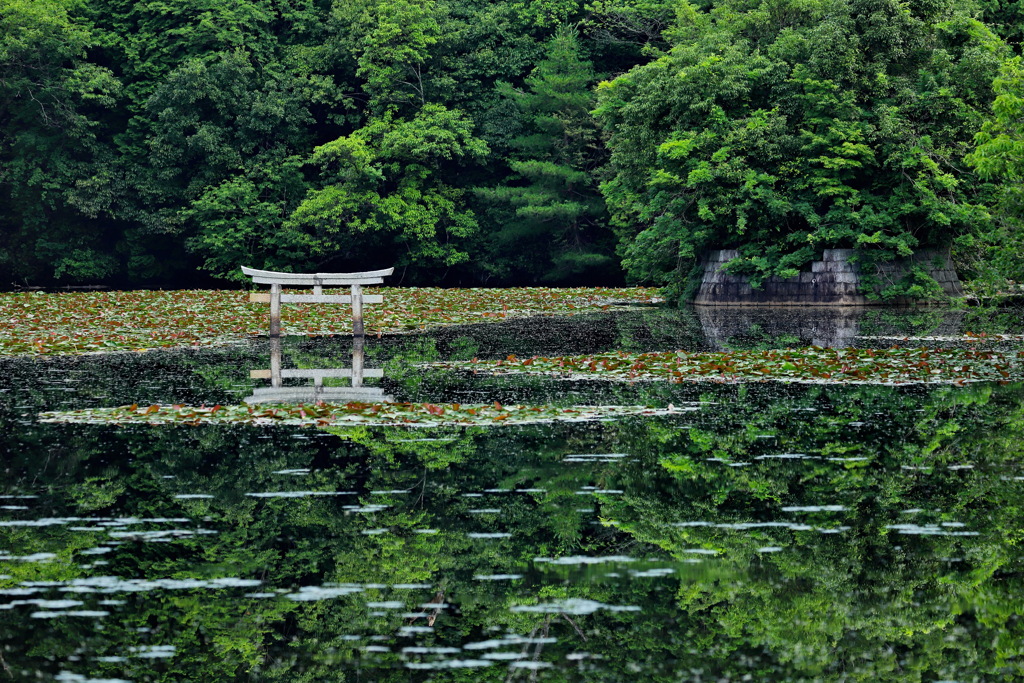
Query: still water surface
[(773, 532)]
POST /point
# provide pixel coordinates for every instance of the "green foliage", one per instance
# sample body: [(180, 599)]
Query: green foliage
[(1006, 17), (395, 45), (630, 22), (50, 103), (384, 185), (242, 220), (999, 147), (999, 156), (547, 13), (143, 142), (552, 219), (783, 130)]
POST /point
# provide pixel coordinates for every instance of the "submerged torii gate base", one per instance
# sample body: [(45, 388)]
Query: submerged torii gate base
[(317, 281)]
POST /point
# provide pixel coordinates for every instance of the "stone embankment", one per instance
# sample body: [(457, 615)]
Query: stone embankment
[(832, 281)]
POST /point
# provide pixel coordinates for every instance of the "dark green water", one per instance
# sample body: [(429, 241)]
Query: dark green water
[(774, 533)]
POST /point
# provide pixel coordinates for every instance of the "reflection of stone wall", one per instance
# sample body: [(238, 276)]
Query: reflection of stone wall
[(832, 281), (726, 327)]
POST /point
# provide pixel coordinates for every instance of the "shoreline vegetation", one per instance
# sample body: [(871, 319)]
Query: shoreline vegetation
[(554, 142)]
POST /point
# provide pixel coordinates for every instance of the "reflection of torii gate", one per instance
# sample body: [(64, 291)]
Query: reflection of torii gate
[(278, 393), (317, 281)]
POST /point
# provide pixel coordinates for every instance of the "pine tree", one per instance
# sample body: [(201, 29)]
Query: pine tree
[(553, 217)]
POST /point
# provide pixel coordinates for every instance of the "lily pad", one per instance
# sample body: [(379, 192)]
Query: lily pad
[(334, 415), (89, 322), (813, 364)]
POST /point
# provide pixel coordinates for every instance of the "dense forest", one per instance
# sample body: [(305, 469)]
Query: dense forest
[(467, 142)]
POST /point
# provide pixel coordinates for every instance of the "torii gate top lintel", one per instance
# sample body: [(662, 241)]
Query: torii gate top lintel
[(270, 277)]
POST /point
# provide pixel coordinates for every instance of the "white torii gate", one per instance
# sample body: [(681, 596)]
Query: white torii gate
[(317, 281)]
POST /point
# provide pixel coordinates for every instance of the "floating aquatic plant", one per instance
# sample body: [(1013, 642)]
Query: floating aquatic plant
[(37, 323), (328, 415), (813, 364)]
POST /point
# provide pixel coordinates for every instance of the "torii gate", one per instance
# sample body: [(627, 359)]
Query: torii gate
[(317, 281)]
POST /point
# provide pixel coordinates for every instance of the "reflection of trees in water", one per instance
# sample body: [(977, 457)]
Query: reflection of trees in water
[(868, 602), (721, 328), (919, 600), (727, 328)]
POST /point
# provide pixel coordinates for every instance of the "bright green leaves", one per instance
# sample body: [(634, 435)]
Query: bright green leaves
[(703, 172), (383, 183), (434, 134), (547, 13), (999, 157), (382, 198), (394, 45), (37, 35), (240, 220), (137, 132), (1000, 152), (762, 129)]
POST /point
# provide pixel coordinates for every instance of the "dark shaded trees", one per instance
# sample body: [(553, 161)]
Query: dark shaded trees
[(552, 225), (51, 103)]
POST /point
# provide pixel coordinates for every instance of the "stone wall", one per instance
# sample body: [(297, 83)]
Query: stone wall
[(832, 281)]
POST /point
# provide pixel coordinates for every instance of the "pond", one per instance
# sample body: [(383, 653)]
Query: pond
[(732, 529)]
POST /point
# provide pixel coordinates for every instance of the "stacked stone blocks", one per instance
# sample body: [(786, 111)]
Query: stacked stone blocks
[(832, 281)]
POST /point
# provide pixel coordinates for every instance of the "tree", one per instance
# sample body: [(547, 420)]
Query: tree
[(51, 98), (553, 225), (999, 156), (384, 200), (223, 170), (143, 140), (1006, 18), (385, 194), (241, 220), (786, 128), (392, 43), (224, 102)]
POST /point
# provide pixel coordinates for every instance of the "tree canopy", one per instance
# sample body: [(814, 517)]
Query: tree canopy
[(471, 141), (785, 128)]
